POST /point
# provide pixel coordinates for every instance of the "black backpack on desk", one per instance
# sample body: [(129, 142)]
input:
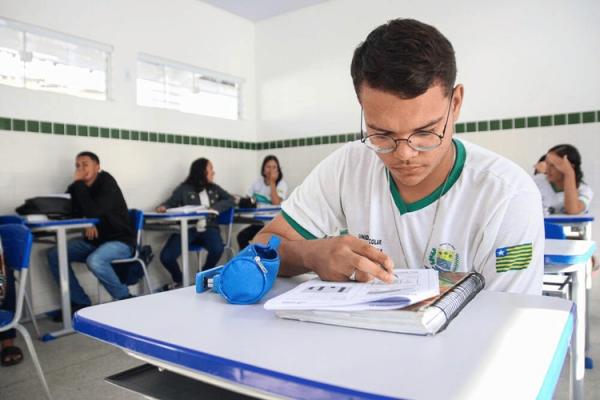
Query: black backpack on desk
[(52, 207)]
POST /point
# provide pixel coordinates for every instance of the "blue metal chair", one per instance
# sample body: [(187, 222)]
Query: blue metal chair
[(16, 219), (224, 218), (131, 269), (16, 243), (11, 219), (554, 231)]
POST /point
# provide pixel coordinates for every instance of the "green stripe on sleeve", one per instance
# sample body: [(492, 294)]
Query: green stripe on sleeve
[(297, 227)]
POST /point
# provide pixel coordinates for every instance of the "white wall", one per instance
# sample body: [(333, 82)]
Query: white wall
[(515, 59), (187, 31)]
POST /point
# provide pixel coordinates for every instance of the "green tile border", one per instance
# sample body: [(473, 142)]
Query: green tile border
[(70, 129)]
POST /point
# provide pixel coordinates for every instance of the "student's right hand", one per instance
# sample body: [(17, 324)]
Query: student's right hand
[(161, 209), (336, 259), (272, 177), (79, 175), (91, 233)]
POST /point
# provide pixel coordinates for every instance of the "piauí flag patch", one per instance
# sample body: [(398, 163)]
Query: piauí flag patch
[(513, 257)]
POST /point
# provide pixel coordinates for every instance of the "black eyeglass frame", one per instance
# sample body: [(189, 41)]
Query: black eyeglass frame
[(363, 137)]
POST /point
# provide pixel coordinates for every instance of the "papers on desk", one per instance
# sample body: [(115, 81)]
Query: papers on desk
[(409, 287), (36, 218), (59, 195), (186, 209)]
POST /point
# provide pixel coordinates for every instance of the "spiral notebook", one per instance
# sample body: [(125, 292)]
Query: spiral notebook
[(426, 317)]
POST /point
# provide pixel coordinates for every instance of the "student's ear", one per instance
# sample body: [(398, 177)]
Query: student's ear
[(457, 100)]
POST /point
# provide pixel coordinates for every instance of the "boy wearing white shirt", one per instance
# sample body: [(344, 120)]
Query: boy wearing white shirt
[(408, 194)]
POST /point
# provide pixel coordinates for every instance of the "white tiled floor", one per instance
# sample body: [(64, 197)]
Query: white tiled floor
[(76, 366)]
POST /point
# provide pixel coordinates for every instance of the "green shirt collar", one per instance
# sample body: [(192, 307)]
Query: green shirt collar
[(457, 168)]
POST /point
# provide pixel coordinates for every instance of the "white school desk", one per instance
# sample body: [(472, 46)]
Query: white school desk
[(501, 345), (581, 226), (60, 228), (182, 219), (573, 257), (260, 214)]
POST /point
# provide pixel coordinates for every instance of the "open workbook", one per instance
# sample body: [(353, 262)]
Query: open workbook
[(415, 315)]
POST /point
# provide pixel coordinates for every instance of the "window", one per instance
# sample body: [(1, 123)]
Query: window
[(39, 59), (167, 84)]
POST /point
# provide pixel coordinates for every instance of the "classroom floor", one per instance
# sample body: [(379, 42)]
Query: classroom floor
[(76, 366)]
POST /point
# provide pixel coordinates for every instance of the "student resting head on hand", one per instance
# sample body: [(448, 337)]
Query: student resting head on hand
[(562, 187)]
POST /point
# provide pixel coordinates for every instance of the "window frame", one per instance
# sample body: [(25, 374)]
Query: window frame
[(25, 29), (218, 76)]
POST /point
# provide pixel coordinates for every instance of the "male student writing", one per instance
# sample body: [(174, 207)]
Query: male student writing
[(96, 194), (409, 195)]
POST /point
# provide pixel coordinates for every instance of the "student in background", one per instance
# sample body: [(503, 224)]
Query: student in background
[(96, 194), (197, 189), (409, 194), (268, 190), (562, 187)]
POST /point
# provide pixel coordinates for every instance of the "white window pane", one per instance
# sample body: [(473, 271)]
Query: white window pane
[(150, 93), (179, 78), (150, 72), (11, 66), (58, 66), (174, 87)]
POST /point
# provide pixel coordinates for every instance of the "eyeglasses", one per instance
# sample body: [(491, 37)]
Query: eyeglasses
[(422, 140)]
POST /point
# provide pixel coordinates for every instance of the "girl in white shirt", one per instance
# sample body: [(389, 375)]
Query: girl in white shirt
[(562, 187), (268, 190)]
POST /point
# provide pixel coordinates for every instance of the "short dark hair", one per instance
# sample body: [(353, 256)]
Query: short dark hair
[(89, 154), (573, 156), (197, 176), (268, 158), (404, 57)]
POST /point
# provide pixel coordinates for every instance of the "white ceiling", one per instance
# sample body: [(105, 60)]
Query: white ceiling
[(256, 10)]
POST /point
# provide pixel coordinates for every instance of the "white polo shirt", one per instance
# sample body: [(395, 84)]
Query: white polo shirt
[(262, 192), (489, 218), (555, 199)]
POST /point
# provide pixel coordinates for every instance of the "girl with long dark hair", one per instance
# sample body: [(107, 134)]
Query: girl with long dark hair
[(562, 187), (198, 189)]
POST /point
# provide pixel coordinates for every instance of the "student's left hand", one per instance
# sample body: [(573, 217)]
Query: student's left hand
[(562, 164), (91, 233)]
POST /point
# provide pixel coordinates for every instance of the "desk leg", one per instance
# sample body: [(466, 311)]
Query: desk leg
[(185, 259), (578, 341), (589, 363), (63, 272)]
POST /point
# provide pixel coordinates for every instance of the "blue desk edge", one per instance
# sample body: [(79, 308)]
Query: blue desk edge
[(553, 374), (230, 370), (562, 259)]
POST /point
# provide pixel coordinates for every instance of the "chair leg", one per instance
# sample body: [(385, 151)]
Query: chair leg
[(99, 293), (32, 316), (147, 278), (34, 358), (228, 251)]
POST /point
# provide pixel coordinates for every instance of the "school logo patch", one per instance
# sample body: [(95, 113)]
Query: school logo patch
[(444, 258), (513, 257)]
